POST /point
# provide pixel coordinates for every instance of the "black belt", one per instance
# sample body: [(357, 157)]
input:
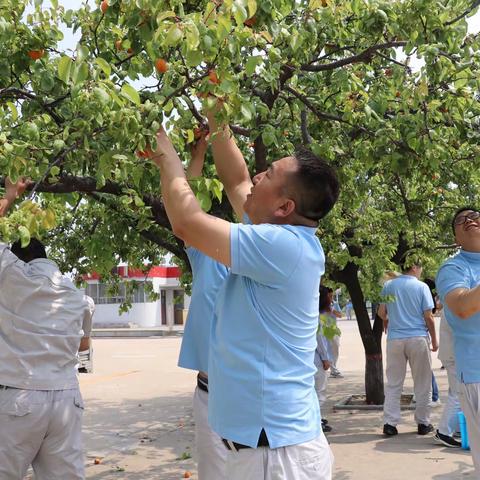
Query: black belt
[(262, 442), (202, 383)]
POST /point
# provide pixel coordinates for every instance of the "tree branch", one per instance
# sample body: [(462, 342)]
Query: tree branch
[(364, 56), (18, 93), (475, 4)]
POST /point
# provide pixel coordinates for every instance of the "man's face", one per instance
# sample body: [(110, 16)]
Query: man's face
[(467, 230), (266, 200)]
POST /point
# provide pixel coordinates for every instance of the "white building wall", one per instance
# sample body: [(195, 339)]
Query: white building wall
[(141, 314)]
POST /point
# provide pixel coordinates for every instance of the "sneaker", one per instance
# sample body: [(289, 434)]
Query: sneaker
[(435, 404), (424, 429), (336, 374), (446, 440), (390, 430), (326, 428), (457, 435), (324, 421)]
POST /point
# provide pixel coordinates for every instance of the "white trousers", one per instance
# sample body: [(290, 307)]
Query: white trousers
[(306, 461), (321, 380), (449, 422), (415, 351), (470, 401), (211, 452), (335, 343), (43, 429)]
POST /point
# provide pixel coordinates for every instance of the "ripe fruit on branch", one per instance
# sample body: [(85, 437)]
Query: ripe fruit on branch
[(118, 45), (212, 77), (161, 65), (147, 153), (104, 6), (36, 54), (250, 22)]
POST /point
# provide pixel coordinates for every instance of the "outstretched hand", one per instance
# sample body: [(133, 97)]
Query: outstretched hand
[(15, 190), (164, 147), (200, 145)]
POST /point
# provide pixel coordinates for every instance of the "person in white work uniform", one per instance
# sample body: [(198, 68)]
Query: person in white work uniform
[(43, 320)]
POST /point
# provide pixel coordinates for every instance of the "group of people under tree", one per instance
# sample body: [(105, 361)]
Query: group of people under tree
[(251, 332)]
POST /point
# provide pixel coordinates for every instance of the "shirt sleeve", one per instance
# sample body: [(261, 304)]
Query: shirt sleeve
[(322, 346), (385, 291), (87, 316), (427, 300), (449, 277), (266, 253), (7, 258)]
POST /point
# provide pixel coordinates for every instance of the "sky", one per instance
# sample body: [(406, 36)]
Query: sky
[(70, 40)]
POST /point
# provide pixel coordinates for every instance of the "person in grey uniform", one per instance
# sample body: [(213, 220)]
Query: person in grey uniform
[(43, 319)]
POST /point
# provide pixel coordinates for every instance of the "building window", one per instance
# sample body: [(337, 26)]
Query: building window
[(101, 293)]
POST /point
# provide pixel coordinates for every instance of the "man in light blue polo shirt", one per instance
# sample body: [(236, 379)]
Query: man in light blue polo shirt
[(458, 285), (261, 365), (408, 320), (208, 276)]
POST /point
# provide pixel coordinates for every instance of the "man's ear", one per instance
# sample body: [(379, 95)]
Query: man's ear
[(286, 208)]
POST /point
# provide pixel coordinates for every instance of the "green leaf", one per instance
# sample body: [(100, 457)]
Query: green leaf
[(167, 14), (252, 8), (64, 67), (24, 236), (174, 35), (192, 36), (251, 64), (13, 110), (130, 93), (104, 65), (80, 73)]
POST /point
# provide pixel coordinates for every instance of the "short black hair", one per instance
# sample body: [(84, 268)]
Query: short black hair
[(431, 285), (324, 303), (35, 249), (460, 210), (316, 185)]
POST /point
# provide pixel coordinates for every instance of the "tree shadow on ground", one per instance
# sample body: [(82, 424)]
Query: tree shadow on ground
[(464, 470), (139, 440)]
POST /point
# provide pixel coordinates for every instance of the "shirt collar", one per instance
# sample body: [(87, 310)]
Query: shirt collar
[(473, 256)]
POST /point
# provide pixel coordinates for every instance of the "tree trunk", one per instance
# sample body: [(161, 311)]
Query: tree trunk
[(371, 336)]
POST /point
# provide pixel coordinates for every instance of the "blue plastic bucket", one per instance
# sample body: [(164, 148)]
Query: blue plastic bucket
[(463, 430)]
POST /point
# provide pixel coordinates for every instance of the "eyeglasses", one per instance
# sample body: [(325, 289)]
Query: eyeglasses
[(461, 219)]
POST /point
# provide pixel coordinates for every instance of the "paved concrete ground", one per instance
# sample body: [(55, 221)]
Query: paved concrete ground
[(138, 419)]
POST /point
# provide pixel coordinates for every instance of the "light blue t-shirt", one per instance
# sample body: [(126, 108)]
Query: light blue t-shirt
[(208, 276), (411, 298), (261, 369), (462, 271)]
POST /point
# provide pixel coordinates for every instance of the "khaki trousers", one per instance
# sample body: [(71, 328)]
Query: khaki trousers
[(43, 429), (470, 402), (449, 422), (415, 351), (321, 381), (311, 460), (211, 452)]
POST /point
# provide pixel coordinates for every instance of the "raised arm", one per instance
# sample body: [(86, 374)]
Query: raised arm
[(198, 151), (231, 167), (428, 316), (464, 302), (12, 192), (189, 222)]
